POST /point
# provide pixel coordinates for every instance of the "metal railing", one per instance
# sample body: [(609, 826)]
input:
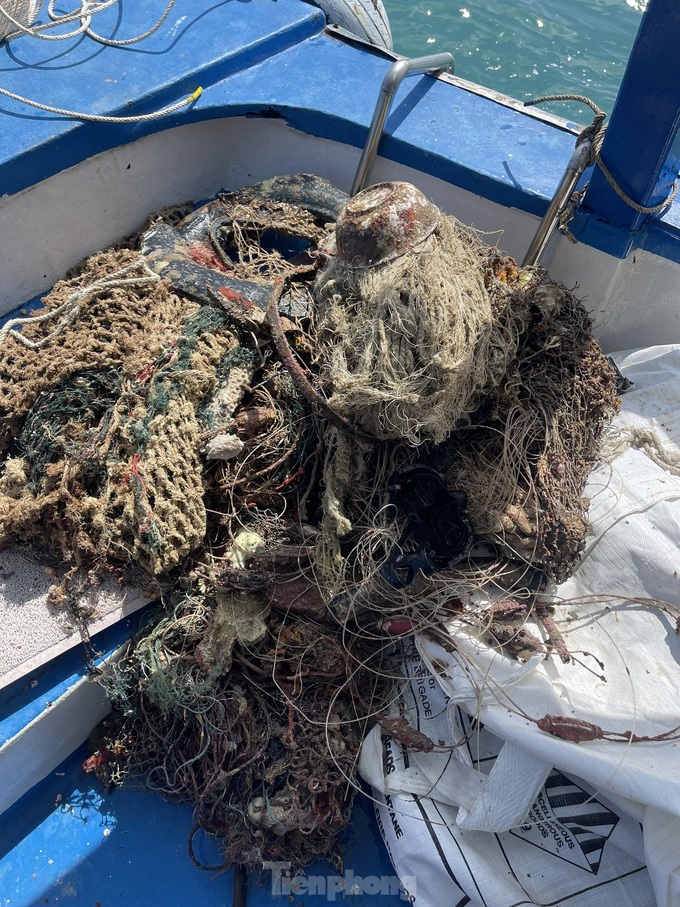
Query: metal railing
[(395, 75), (578, 162)]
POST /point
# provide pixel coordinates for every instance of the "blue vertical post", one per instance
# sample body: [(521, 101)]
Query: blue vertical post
[(640, 148)]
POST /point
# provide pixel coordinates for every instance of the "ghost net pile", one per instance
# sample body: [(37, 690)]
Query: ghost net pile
[(456, 362), (296, 434)]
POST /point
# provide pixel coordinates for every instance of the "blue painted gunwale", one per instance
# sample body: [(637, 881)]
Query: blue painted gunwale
[(265, 58), (26, 698), (272, 58)]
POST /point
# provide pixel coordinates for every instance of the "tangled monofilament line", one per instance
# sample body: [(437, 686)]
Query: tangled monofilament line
[(408, 348), (229, 744)]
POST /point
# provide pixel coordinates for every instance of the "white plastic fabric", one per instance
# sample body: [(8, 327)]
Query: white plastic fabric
[(503, 814)]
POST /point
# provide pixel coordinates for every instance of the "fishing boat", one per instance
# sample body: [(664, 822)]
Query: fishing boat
[(222, 95)]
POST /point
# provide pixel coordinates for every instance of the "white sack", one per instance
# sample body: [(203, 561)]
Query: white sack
[(551, 821)]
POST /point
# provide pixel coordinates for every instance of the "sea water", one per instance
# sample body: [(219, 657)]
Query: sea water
[(526, 48)]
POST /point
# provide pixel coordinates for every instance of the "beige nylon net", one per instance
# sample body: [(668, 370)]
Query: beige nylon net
[(409, 348), (111, 448)]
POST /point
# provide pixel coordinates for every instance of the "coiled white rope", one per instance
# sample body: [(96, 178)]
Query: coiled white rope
[(17, 17)]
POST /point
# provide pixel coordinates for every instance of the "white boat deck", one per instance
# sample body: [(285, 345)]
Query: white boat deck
[(33, 631)]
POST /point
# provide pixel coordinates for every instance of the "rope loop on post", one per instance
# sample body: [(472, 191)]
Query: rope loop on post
[(595, 132)]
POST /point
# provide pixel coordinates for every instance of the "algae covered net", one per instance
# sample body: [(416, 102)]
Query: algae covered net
[(311, 425)]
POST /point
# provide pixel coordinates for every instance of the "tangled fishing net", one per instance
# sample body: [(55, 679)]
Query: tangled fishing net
[(306, 435), (259, 736), (409, 344), (436, 342)]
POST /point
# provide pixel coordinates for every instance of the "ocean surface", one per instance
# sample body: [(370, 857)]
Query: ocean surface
[(526, 48)]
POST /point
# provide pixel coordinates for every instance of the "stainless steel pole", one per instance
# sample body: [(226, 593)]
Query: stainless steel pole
[(393, 79)]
